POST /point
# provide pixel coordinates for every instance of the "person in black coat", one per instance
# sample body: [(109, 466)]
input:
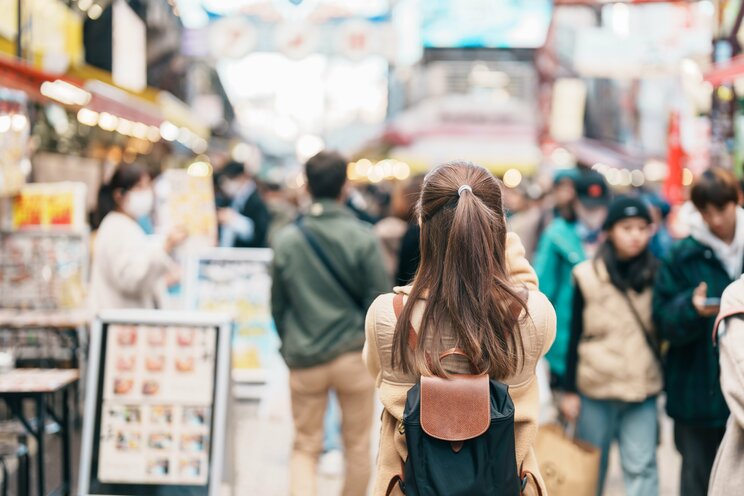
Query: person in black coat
[(242, 214)]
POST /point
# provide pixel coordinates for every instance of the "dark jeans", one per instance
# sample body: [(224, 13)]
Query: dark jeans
[(698, 447)]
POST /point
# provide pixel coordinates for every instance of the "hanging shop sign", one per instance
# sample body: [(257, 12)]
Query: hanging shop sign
[(156, 403), (237, 281), (355, 39), (232, 38), (129, 56)]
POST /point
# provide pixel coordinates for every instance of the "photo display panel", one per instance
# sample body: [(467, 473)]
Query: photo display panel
[(155, 409)]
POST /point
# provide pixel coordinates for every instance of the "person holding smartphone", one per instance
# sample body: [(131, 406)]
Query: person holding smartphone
[(688, 286)]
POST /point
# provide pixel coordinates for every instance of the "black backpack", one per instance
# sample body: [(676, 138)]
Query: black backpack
[(459, 433)]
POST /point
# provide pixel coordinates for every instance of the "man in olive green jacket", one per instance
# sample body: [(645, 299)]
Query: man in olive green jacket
[(319, 313)]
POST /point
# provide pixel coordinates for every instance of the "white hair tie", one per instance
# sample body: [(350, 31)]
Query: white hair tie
[(464, 187)]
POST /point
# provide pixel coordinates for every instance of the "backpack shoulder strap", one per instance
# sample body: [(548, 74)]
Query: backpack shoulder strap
[(398, 308), (723, 316)]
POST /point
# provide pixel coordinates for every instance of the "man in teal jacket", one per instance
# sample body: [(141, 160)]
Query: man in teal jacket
[(327, 271), (563, 245)]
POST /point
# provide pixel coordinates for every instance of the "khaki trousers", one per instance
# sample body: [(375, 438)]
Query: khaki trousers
[(348, 376)]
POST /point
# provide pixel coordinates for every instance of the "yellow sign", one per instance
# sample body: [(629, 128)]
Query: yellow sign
[(52, 31), (50, 205)]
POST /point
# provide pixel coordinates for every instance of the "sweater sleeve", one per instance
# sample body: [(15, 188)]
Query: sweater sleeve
[(519, 268), (732, 352), (135, 264), (577, 330), (370, 354)]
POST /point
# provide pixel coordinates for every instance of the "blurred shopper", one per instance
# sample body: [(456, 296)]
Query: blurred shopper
[(561, 199), (390, 230), (393, 229), (727, 476), (128, 268), (282, 210), (244, 219), (690, 281), (613, 355), (468, 261), (523, 214), (662, 240), (563, 245), (408, 257), (327, 270)]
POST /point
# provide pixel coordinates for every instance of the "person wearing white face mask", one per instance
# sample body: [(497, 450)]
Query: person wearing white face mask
[(129, 268)]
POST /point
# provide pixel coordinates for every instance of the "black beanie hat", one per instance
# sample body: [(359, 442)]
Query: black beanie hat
[(625, 207)]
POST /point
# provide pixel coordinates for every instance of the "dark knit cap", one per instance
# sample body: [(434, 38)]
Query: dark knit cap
[(626, 207)]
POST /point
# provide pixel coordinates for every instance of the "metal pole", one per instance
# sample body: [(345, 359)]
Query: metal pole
[(19, 22)]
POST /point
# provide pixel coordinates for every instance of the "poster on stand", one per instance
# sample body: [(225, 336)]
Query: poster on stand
[(156, 404), (237, 281), (187, 201)]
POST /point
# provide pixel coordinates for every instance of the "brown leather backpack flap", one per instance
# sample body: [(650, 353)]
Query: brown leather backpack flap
[(455, 409)]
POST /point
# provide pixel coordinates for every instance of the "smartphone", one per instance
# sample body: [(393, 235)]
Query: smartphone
[(712, 302)]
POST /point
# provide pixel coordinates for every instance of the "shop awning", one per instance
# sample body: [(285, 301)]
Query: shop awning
[(590, 152)]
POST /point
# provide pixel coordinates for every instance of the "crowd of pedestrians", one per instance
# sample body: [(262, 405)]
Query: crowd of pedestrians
[(624, 314), (455, 273)]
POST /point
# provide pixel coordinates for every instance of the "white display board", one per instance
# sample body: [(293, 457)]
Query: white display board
[(156, 404), (237, 281)]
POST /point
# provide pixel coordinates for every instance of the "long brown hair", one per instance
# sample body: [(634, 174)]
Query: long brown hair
[(463, 276)]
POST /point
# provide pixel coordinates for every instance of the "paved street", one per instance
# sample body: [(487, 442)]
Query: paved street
[(264, 441)]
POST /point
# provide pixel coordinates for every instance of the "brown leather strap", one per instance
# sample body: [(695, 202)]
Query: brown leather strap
[(398, 307), (458, 352), (723, 316), (526, 474), (395, 481)]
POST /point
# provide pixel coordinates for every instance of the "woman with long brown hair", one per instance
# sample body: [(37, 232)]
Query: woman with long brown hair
[(471, 278)]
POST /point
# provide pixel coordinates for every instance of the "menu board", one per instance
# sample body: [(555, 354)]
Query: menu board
[(155, 411), (237, 281)]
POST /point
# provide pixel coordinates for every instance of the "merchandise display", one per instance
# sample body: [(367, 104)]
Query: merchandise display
[(43, 270)]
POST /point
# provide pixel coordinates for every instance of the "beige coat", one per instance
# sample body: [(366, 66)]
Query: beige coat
[(538, 333), (727, 477), (615, 360), (127, 266)]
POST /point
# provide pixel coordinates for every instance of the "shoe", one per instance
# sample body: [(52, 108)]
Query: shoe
[(332, 464)]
